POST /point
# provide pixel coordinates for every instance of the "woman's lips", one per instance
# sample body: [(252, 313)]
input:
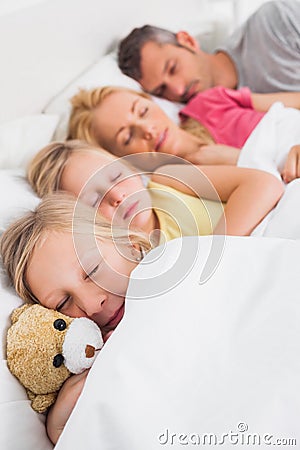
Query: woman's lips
[(116, 318), (161, 139), (130, 210)]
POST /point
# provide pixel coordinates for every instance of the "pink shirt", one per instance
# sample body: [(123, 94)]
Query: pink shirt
[(228, 114)]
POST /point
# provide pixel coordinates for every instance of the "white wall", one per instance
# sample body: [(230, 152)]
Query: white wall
[(44, 44), (243, 8), (9, 6)]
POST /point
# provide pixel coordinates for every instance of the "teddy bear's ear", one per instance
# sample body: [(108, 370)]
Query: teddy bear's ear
[(41, 402), (18, 311)]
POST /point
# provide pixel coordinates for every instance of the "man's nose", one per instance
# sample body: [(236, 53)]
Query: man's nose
[(175, 88)]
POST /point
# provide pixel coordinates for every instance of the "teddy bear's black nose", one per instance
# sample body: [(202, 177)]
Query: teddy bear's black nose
[(58, 360), (60, 324)]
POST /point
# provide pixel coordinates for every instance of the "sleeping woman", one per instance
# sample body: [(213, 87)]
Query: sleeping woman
[(175, 200), (218, 122)]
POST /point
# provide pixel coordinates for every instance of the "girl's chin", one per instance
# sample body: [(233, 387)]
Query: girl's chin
[(107, 335)]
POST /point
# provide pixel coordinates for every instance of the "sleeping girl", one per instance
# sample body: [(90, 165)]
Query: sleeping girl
[(67, 258), (219, 121), (176, 200), (87, 281)]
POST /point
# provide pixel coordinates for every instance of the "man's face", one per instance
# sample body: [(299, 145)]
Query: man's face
[(173, 72)]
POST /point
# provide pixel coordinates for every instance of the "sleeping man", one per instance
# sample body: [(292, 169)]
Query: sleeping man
[(262, 54)]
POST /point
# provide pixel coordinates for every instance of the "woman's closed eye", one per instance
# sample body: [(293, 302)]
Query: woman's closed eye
[(128, 139)]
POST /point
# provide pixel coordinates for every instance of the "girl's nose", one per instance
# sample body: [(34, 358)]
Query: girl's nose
[(91, 303), (116, 196)]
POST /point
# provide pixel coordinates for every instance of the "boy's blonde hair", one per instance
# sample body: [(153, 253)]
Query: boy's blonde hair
[(45, 170), (81, 123), (57, 212)]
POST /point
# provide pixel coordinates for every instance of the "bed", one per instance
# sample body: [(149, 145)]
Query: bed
[(233, 367)]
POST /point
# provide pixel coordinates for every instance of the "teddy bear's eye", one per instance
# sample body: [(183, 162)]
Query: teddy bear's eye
[(58, 360), (60, 324)]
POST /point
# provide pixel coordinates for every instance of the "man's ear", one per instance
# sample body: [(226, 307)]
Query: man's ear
[(186, 40)]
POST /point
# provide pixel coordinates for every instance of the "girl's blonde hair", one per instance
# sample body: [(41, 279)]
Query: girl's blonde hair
[(81, 123), (45, 170), (57, 212)]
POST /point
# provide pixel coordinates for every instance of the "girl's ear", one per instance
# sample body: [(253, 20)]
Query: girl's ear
[(188, 41)]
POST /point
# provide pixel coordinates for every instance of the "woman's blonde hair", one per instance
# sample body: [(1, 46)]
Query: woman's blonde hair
[(57, 212), (81, 123), (195, 128), (45, 170)]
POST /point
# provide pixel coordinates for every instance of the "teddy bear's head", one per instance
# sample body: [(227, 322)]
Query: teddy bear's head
[(44, 347)]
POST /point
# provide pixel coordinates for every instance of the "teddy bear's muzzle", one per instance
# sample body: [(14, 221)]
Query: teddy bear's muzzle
[(90, 351), (82, 342)]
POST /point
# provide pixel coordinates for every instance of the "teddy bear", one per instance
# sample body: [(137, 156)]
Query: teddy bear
[(44, 347)]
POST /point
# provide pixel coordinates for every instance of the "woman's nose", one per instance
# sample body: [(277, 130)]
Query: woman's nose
[(147, 130)]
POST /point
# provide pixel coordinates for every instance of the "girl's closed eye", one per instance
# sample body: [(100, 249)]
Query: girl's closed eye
[(92, 272), (116, 177), (95, 201), (62, 305)]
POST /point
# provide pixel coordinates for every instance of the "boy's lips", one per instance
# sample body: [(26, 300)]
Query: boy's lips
[(130, 210), (161, 139)]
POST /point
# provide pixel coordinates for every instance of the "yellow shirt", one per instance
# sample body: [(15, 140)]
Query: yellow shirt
[(181, 214)]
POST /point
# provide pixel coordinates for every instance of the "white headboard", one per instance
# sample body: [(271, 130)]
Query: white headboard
[(45, 43)]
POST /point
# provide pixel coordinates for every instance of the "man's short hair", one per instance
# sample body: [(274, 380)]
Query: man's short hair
[(129, 53)]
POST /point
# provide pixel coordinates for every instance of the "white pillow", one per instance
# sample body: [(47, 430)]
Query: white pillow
[(20, 139), (21, 427), (16, 196), (102, 73)]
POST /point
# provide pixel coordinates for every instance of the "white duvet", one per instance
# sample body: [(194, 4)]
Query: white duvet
[(220, 357), (267, 148)]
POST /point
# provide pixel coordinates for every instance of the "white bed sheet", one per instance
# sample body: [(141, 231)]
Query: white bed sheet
[(199, 358), (266, 149)]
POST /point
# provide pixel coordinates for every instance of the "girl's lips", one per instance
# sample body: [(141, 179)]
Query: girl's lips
[(161, 140), (116, 318), (130, 210)]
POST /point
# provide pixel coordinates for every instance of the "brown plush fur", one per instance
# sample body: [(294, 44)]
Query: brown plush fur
[(33, 364)]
